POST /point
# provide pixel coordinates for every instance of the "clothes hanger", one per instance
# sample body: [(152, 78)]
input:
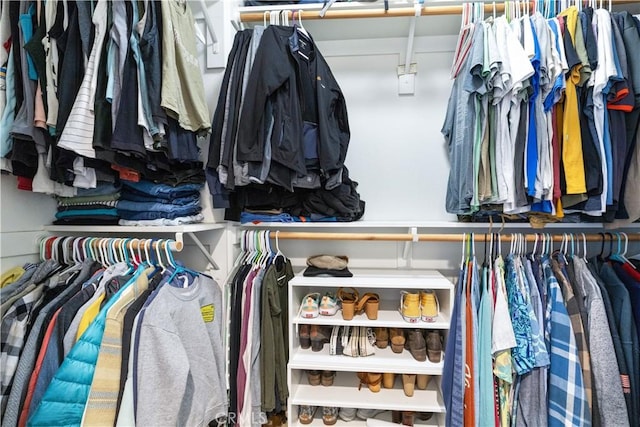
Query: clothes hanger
[(299, 25), (463, 256)]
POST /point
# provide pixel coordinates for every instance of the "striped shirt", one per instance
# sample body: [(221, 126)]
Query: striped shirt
[(77, 135)]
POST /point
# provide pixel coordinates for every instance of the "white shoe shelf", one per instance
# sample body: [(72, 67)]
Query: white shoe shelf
[(345, 392)]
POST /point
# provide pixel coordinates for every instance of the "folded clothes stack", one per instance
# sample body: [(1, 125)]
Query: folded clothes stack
[(147, 203), (94, 206)]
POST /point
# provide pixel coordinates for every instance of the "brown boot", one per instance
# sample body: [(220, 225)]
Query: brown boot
[(434, 346), (319, 336), (313, 377), (407, 418), (396, 336), (417, 345), (327, 378), (303, 334), (382, 337)]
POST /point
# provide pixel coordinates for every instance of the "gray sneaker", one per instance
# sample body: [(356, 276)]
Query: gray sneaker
[(364, 414), (347, 414)]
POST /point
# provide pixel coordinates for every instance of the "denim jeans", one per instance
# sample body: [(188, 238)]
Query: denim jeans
[(129, 205), (136, 216), (138, 202), (162, 190)]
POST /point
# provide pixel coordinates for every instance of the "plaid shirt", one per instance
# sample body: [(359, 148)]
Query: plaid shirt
[(573, 309), (14, 328), (567, 398)]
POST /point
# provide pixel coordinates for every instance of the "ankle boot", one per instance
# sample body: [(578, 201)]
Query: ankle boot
[(422, 380), (408, 384), (382, 337), (434, 346), (305, 337), (388, 379), (319, 336), (396, 336), (407, 418), (417, 345)]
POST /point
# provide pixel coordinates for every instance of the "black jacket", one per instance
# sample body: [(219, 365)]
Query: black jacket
[(277, 77)]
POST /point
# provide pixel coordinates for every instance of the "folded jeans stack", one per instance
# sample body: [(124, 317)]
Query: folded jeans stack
[(147, 203), (95, 206)]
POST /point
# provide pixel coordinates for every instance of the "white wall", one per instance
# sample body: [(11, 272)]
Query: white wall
[(22, 215)]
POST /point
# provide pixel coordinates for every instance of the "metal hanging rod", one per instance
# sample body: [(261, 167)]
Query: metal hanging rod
[(408, 237), (336, 13)]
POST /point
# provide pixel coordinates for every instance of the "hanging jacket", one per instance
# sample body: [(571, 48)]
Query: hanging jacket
[(276, 78), (64, 401)]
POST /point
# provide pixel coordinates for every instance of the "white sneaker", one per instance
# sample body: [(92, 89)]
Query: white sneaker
[(367, 339)]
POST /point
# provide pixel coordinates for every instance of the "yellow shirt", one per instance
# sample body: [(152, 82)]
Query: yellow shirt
[(572, 157), (90, 313), (11, 276)]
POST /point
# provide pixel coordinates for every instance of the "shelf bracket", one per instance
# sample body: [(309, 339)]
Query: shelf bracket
[(408, 246), (200, 246), (406, 74)]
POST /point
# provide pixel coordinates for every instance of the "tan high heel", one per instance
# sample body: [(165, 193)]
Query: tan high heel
[(370, 379), (422, 380), (408, 384), (349, 302), (369, 304), (388, 379)]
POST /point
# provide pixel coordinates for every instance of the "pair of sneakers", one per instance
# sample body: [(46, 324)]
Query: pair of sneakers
[(313, 304), (416, 306), (350, 414), (306, 414), (354, 341)]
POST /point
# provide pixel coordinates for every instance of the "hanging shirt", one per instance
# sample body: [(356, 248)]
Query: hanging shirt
[(567, 399), (486, 392), (572, 157), (523, 354), (182, 86), (77, 135), (453, 370), (606, 374)]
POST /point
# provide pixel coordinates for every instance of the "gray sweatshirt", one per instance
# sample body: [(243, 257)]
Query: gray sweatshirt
[(181, 357)]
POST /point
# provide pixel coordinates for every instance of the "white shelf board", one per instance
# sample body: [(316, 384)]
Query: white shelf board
[(388, 317), (384, 360), (187, 228), (344, 393), (382, 419), (382, 278), (405, 225)]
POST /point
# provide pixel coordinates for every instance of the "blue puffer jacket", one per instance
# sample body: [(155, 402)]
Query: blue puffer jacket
[(64, 401)]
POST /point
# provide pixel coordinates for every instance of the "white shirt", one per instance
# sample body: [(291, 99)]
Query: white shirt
[(77, 135)]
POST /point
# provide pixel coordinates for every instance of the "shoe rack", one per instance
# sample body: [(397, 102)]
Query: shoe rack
[(345, 392)]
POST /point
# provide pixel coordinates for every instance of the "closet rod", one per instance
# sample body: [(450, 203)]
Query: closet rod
[(381, 13), (405, 237), (132, 243)]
